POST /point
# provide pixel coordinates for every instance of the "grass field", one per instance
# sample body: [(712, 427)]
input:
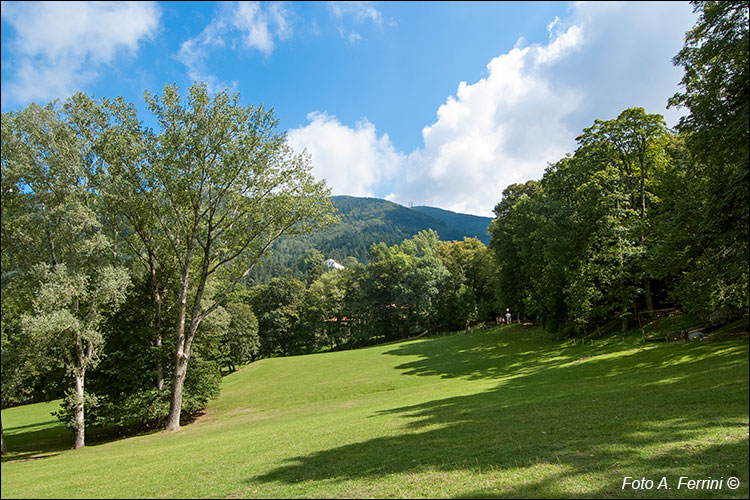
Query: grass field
[(506, 412)]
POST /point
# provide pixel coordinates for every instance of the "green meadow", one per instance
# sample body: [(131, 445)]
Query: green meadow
[(505, 412)]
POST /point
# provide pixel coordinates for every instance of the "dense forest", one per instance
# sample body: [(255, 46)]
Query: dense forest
[(129, 254), (639, 216)]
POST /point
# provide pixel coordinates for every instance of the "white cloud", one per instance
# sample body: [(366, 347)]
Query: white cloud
[(59, 46), (251, 25), (258, 26), (360, 11), (505, 128), (502, 129), (193, 54), (354, 161), (625, 57), (357, 13)]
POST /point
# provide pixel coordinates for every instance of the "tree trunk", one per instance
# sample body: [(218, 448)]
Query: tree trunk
[(156, 296), (175, 404), (79, 427), (159, 367), (180, 365), (649, 297), (182, 351), (643, 188), (178, 377), (157, 342)]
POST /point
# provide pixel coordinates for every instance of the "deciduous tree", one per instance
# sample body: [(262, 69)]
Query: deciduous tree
[(716, 91), (69, 263), (222, 184)]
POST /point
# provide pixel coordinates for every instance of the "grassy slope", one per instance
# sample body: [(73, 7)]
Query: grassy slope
[(506, 412)]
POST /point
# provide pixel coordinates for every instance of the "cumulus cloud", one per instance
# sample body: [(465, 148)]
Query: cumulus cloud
[(354, 161), (625, 57), (526, 112), (499, 130), (245, 25), (60, 46)]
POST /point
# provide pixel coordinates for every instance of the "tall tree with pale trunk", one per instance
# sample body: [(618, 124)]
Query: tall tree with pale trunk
[(221, 184), (57, 239)]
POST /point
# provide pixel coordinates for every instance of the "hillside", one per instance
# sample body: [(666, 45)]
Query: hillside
[(365, 221), (505, 412), (470, 224), (449, 225)]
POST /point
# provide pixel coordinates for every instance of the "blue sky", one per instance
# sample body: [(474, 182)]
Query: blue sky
[(431, 103)]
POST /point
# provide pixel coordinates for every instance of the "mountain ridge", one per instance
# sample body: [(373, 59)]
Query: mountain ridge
[(455, 225)]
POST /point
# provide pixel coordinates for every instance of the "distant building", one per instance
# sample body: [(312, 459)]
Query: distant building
[(332, 264)]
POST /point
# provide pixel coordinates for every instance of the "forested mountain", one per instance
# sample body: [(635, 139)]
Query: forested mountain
[(363, 212), (365, 221), (473, 225)]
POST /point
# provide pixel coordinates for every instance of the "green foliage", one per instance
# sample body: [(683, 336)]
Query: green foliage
[(240, 342), (470, 292), (716, 84), (221, 184), (276, 305), (57, 242), (402, 288), (510, 238), (636, 217), (68, 310), (323, 306), (421, 285), (637, 211), (124, 387), (589, 223), (191, 208), (716, 91), (124, 383), (29, 374)]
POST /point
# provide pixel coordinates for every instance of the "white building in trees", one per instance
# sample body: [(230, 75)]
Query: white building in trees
[(332, 264)]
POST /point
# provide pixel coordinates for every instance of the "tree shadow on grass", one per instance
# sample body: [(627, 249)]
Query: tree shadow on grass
[(492, 354), (48, 438), (30, 442), (565, 425)]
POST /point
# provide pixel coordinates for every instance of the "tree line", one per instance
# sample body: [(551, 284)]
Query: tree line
[(422, 285)]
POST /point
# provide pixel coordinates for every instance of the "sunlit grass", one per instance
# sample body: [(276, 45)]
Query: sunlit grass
[(508, 412)]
